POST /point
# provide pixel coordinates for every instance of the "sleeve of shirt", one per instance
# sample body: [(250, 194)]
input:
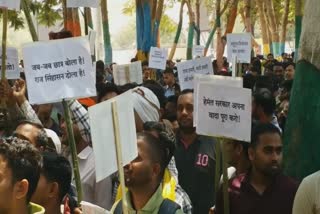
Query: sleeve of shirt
[(29, 113), (183, 200), (305, 198), (80, 116)]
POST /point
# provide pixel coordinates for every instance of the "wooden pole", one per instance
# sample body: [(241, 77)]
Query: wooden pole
[(73, 149), (225, 177), (218, 168), (116, 130), (86, 20), (4, 42)]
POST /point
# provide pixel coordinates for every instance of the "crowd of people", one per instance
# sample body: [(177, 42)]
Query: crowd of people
[(175, 169)]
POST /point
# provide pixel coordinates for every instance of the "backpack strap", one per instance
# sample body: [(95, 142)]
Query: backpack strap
[(118, 209), (168, 207)]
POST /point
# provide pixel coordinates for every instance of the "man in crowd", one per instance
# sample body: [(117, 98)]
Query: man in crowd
[(195, 158), (44, 112), (264, 106), (170, 86), (143, 177), (54, 182), (264, 189), (289, 71), (20, 165)]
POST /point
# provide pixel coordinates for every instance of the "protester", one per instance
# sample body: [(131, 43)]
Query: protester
[(107, 91), (264, 106), (146, 71), (170, 112), (143, 178), (195, 157), (44, 112), (307, 198), (20, 165), (54, 183), (170, 86), (290, 71), (263, 189)]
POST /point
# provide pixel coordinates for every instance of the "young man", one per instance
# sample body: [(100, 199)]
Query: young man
[(195, 158), (54, 183), (20, 165), (264, 189), (170, 86), (143, 177)]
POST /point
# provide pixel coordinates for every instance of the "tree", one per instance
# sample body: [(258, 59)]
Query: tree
[(106, 33), (301, 145)]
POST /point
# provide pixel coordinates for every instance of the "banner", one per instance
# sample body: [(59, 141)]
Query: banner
[(239, 45), (187, 70), (224, 113), (59, 69), (12, 67), (197, 51)]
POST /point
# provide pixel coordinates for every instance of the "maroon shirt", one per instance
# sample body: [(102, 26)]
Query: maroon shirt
[(244, 199)]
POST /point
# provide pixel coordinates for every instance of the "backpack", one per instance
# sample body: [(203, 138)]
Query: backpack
[(167, 207)]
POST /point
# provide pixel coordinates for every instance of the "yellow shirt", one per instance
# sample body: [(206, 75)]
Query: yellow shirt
[(36, 209)]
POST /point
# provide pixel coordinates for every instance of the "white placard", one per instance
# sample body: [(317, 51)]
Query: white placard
[(197, 51), (239, 45), (89, 208), (187, 70), (82, 3), (92, 40), (215, 80), (224, 113), (158, 58), (12, 63), (129, 73), (102, 133), (59, 69), (10, 4)]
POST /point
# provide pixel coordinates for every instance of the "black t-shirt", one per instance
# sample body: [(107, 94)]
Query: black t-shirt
[(196, 168)]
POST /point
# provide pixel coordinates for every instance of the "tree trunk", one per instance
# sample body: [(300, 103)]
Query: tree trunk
[(87, 20), (157, 22), (27, 13), (106, 33), (219, 51), (178, 33), (198, 21), (298, 22), (284, 26), (301, 149), (247, 12), (191, 30), (76, 22), (264, 28), (273, 28)]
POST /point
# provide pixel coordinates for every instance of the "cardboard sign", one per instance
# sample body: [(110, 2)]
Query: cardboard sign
[(224, 113), (59, 69), (129, 73), (158, 58), (103, 139), (12, 67), (215, 80), (83, 3), (187, 70), (10, 4), (197, 51), (239, 45)]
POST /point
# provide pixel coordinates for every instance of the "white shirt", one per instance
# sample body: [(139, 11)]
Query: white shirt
[(96, 193)]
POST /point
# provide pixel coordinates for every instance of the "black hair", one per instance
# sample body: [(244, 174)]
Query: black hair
[(277, 64), (100, 65), (57, 168), (158, 151), (127, 87), (168, 71), (186, 91), (291, 63), (287, 85), (260, 129), (265, 82), (157, 89), (249, 81), (105, 89), (145, 63), (24, 161), (264, 98)]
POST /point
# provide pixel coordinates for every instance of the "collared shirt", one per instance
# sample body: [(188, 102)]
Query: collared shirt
[(151, 207), (244, 199), (35, 209), (196, 167), (307, 200), (96, 193), (170, 91), (81, 118)]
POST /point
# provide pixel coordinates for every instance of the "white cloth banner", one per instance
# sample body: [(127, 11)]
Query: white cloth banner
[(129, 73), (239, 45), (198, 51), (12, 63), (158, 58), (215, 80), (10, 4), (102, 131), (59, 69), (224, 113), (83, 3), (187, 70)]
